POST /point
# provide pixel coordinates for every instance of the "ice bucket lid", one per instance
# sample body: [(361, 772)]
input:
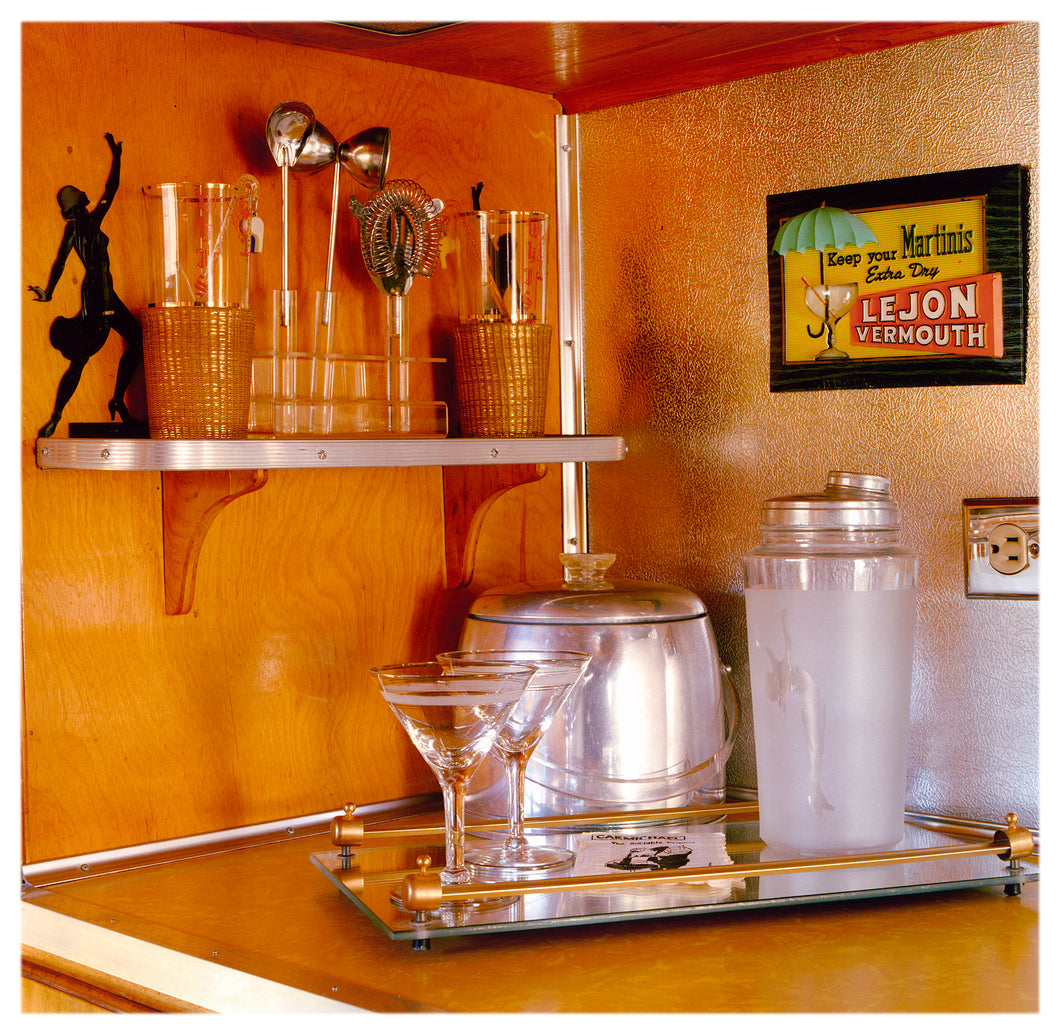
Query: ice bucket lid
[(586, 597)]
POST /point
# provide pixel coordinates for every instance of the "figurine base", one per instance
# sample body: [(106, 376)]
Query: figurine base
[(111, 429)]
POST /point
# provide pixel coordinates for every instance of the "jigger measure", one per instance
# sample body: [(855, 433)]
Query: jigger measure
[(365, 156)]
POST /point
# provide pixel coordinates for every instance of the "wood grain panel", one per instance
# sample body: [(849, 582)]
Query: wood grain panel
[(257, 704), (587, 66), (40, 995), (51, 985)]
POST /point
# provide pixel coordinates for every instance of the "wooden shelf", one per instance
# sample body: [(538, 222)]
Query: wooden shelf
[(591, 65), (201, 477)]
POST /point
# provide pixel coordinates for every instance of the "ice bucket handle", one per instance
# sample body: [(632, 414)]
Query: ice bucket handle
[(716, 762), (688, 778)]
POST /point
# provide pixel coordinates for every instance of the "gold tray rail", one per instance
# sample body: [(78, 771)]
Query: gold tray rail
[(423, 891), (348, 831)]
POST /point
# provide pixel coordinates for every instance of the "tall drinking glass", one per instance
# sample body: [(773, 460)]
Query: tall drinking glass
[(556, 673), (453, 719)]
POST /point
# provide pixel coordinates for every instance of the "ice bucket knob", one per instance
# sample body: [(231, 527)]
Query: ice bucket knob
[(586, 570)]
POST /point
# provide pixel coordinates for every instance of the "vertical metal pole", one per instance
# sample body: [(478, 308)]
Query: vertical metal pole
[(572, 388)]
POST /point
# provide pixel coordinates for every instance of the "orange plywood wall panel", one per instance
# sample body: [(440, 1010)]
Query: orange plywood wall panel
[(256, 705)]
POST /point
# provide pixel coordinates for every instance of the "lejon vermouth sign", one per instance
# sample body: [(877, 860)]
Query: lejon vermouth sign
[(914, 281)]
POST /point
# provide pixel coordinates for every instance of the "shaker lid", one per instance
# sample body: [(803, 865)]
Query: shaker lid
[(849, 501), (587, 597)]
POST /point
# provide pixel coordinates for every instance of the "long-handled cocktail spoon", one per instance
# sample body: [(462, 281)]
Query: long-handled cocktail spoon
[(286, 130)]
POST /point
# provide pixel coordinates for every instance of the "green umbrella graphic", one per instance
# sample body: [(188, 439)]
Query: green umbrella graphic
[(818, 229)]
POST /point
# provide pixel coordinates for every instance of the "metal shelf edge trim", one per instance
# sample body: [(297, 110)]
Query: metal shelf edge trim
[(76, 867), (253, 454)]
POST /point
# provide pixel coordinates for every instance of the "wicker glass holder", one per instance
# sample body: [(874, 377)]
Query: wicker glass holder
[(502, 378), (197, 362)]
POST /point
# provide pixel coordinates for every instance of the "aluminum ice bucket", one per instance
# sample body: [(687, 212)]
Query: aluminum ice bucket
[(653, 721)]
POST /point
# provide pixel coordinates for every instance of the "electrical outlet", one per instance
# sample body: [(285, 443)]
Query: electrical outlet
[(1001, 547), (1008, 549)]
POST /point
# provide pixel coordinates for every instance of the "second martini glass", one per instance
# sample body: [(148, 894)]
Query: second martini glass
[(555, 676), (453, 719)]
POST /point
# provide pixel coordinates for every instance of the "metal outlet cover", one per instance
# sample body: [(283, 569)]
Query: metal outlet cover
[(1001, 548)]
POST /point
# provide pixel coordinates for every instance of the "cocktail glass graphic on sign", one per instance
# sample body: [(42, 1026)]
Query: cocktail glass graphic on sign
[(830, 303)]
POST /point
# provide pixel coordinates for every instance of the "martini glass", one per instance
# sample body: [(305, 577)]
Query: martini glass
[(555, 676), (830, 303), (453, 719)]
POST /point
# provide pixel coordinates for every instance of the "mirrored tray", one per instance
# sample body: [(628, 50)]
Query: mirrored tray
[(373, 874)]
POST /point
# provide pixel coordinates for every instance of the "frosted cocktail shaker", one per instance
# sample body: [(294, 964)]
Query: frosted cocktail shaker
[(831, 607)]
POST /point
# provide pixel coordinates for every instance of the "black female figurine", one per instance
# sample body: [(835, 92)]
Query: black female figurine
[(80, 337)]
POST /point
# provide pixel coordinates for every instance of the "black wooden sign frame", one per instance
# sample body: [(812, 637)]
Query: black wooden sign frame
[(1005, 192)]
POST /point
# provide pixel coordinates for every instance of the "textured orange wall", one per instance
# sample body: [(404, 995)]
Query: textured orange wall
[(677, 358)]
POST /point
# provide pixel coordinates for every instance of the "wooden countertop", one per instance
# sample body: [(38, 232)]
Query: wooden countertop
[(267, 913)]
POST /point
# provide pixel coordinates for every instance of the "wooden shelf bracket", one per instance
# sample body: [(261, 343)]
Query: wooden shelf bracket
[(190, 502), (468, 493)]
